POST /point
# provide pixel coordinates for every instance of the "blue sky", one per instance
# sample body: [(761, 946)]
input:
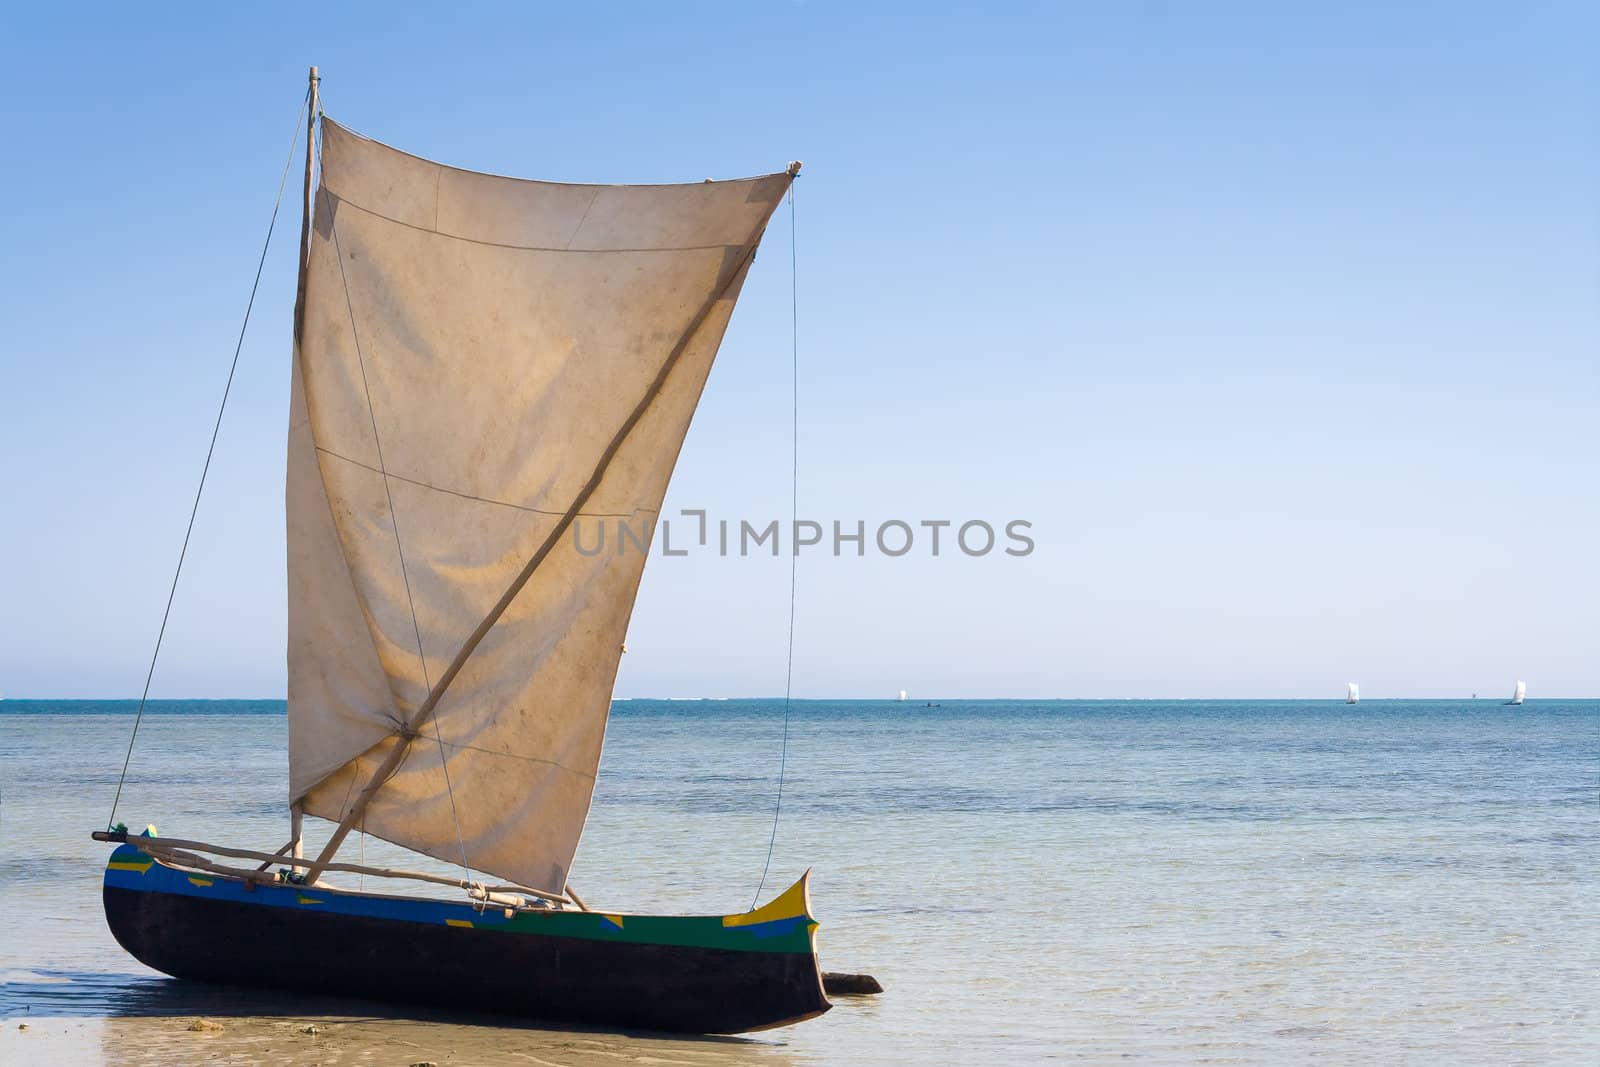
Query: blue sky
[(1278, 322)]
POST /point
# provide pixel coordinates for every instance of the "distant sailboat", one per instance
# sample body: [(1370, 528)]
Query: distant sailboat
[(1521, 691), (902, 694), (1352, 694)]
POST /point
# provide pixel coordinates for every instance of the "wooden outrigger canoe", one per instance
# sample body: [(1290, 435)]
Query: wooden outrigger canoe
[(697, 974), (524, 353)]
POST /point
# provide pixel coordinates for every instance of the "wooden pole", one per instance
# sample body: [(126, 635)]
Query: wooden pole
[(283, 850), (183, 851), (313, 106)]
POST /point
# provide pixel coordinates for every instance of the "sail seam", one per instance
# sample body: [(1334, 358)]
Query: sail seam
[(575, 230), (520, 756), (482, 499), (746, 180), (394, 523), (524, 248)]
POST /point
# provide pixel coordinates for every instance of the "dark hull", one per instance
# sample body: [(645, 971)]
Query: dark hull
[(535, 976)]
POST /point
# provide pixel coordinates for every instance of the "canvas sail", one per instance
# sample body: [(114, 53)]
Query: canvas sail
[(1519, 692), (1352, 693), (472, 348)]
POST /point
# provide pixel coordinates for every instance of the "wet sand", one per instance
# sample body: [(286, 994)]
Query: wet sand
[(339, 1040), (164, 1022)]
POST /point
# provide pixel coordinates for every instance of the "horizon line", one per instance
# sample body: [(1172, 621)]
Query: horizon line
[(1491, 698)]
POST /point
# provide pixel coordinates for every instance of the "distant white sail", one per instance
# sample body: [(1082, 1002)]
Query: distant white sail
[(1352, 694), (902, 694), (1521, 691)]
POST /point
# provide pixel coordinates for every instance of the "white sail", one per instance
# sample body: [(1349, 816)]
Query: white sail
[(1352, 693), (476, 352), (902, 694), (1520, 692)]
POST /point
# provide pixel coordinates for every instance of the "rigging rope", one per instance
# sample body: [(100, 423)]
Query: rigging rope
[(794, 515), (210, 450), (394, 522)]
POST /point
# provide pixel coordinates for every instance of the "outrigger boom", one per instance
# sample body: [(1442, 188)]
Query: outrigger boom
[(181, 852)]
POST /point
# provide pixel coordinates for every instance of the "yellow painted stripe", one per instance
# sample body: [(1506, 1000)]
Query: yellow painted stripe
[(131, 865), (790, 903), (614, 920), (303, 899), (201, 882), (458, 922)]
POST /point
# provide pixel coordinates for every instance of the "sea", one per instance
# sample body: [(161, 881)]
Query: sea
[(1031, 881)]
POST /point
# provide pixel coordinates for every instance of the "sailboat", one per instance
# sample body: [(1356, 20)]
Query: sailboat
[(479, 363), (1518, 693), (1352, 693)]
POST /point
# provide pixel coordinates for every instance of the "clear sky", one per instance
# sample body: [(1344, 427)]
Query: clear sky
[(1278, 322)]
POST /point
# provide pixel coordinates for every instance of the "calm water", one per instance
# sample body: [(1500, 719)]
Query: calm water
[(1235, 882)]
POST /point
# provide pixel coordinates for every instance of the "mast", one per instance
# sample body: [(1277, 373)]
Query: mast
[(313, 106)]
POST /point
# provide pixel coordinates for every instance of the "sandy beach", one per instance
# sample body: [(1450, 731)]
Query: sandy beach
[(340, 1037)]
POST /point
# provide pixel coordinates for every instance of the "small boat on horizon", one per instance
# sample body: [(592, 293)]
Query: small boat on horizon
[(1352, 693), (1518, 693)]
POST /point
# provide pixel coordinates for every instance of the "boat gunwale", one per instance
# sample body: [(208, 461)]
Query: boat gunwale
[(743, 932)]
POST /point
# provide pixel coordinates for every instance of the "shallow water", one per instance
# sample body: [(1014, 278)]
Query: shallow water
[(1172, 881)]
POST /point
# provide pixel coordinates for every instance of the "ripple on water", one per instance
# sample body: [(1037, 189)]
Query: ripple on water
[(1242, 883)]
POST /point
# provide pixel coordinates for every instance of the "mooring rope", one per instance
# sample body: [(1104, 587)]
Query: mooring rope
[(215, 429), (794, 515)]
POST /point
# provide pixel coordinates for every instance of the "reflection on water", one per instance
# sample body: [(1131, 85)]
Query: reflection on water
[(1258, 882), (66, 994), (87, 994)]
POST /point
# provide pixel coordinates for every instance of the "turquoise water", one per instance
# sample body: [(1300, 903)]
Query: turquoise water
[(1174, 881)]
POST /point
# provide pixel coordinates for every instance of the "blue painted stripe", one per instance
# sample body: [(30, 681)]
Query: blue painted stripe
[(786, 934), (160, 879)]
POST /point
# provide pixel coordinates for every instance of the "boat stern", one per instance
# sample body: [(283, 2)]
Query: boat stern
[(786, 925)]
